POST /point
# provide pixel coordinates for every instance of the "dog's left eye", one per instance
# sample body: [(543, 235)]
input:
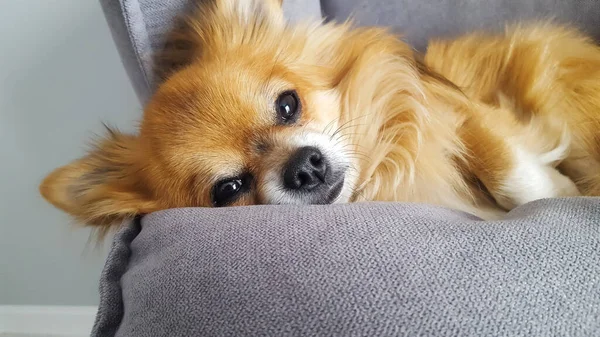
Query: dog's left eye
[(288, 107)]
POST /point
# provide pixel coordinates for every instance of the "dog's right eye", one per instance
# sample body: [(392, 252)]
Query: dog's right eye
[(288, 107), (228, 191)]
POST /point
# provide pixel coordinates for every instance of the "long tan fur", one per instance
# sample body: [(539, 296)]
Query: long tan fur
[(482, 124)]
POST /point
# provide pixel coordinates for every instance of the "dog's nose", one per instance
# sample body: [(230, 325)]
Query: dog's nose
[(305, 169)]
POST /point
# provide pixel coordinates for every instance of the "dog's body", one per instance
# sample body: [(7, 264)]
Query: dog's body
[(264, 112)]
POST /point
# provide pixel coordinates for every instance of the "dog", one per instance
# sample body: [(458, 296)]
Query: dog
[(262, 111)]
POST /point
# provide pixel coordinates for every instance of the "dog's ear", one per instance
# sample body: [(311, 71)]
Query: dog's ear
[(249, 9), (213, 25), (102, 188)]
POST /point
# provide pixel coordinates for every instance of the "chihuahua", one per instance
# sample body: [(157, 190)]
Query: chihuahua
[(262, 111)]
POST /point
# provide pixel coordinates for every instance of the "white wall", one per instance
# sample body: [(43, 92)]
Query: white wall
[(60, 77)]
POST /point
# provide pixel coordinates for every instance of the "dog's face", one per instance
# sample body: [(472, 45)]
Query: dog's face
[(243, 129), (254, 119)]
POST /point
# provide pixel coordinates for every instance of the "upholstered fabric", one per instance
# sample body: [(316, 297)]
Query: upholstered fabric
[(420, 20), (355, 270)]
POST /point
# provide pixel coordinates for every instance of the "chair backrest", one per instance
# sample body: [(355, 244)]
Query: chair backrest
[(419, 20)]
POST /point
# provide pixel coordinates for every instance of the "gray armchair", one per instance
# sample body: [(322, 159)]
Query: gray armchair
[(371, 269)]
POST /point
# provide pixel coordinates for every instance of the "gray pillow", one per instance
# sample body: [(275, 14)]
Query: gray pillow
[(370, 269)]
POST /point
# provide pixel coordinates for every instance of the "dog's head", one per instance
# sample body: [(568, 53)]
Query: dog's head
[(252, 119)]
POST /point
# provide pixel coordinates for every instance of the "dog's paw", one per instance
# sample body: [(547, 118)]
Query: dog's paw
[(532, 179)]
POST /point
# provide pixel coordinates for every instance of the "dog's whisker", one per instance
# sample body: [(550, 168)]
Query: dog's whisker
[(329, 125), (346, 127), (352, 120)]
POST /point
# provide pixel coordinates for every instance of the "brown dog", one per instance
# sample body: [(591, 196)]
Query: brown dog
[(265, 112)]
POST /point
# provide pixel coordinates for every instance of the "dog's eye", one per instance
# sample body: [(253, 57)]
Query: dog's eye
[(227, 191), (288, 107)]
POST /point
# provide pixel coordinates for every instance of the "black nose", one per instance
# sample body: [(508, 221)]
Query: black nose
[(305, 169)]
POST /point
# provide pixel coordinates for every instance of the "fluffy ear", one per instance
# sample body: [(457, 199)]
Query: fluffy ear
[(249, 9), (213, 25), (102, 188)]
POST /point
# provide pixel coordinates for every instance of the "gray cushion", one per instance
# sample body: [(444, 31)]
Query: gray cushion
[(420, 20), (355, 270)]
